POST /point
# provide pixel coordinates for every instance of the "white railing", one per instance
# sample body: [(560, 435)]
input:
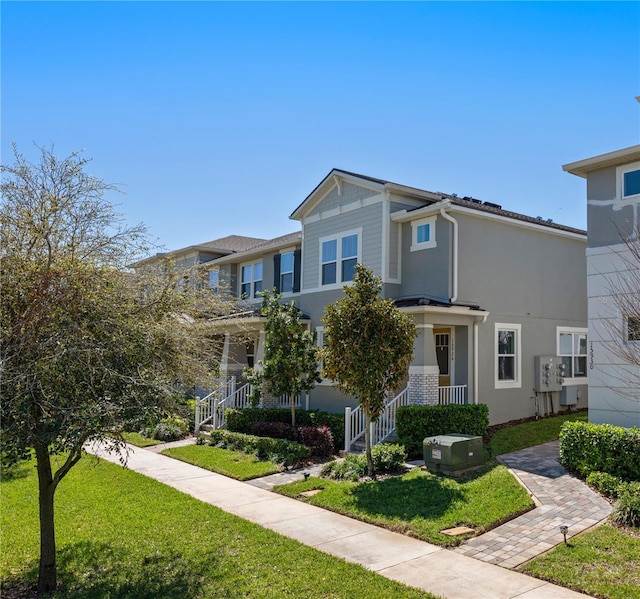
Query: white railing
[(381, 429), (210, 409), (456, 394), (205, 412)]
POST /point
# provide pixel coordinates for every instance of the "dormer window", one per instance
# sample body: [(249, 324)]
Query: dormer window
[(423, 234), (628, 183)]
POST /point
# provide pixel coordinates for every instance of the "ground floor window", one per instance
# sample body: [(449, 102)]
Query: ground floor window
[(572, 348), (507, 355)]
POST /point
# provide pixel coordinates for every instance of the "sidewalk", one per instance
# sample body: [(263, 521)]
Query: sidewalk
[(398, 557)]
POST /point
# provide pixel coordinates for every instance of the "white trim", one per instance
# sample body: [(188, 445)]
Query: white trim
[(576, 380), (314, 218), (517, 382), (431, 242), (338, 237), (424, 370), (253, 280), (384, 250), (320, 343), (621, 171)]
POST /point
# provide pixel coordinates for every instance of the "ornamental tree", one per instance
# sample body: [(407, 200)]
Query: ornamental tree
[(290, 363), (86, 347), (368, 345)]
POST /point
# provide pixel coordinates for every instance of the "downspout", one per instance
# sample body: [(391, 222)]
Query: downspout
[(478, 320), (454, 257)]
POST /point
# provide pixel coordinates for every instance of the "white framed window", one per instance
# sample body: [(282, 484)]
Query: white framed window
[(508, 355), (286, 272), (423, 234), (250, 280), (628, 183), (214, 281), (338, 258), (572, 348)]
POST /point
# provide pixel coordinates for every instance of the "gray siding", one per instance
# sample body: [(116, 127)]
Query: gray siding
[(514, 271), (368, 218), (427, 272), (350, 193), (606, 226)]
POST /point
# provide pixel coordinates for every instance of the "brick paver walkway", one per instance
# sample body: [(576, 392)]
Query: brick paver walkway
[(561, 499)]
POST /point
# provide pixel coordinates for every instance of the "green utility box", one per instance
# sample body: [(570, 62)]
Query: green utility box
[(452, 452)]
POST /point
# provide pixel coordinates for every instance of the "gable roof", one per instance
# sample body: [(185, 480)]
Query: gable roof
[(429, 197), (270, 244)]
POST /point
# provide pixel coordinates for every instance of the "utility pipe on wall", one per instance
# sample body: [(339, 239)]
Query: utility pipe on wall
[(454, 257)]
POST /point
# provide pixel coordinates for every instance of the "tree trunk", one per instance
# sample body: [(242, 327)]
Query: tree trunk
[(47, 575), (292, 401), (367, 445)]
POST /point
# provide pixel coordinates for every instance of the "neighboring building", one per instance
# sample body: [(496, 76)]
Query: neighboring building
[(488, 288), (613, 224)]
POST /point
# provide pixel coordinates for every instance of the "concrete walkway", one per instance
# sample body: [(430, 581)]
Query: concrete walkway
[(398, 557), (561, 499)]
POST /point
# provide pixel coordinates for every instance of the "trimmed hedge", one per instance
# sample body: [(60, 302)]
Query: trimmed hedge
[(415, 423), (281, 451), (241, 421), (587, 448)]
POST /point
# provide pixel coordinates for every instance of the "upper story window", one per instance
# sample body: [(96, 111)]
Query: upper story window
[(250, 280), (214, 280), (628, 183), (633, 328), (572, 348), (339, 256), (286, 271), (508, 355), (423, 234)]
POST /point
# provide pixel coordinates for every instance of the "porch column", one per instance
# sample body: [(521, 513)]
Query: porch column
[(424, 371), (224, 361)]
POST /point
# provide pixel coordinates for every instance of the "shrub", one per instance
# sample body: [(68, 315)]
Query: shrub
[(415, 423), (276, 430), (626, 511), (607, 484), (171, 428), (241, 421), (281, 451), (335, 423), (387, 457), (587, 447), (317, 438)]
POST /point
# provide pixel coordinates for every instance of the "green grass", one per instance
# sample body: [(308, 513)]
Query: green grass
[(422, 504), (604, 562), (532, 433), (123, 535), (235, 464), (140, 440)]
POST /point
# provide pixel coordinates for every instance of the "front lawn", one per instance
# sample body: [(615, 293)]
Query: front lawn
[(422, 504), (528, 434), (140, 440), (604, 562), (121, 534), (235, 464)]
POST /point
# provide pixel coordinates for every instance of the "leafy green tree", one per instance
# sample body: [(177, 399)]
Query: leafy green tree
[(368, 346), (290, 364), (86, 347)]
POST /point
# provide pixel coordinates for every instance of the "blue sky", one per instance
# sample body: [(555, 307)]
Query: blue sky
[(218, 118)]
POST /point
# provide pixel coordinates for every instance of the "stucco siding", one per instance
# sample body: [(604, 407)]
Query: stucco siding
[(613, 382), (517, 271), (427, 272)]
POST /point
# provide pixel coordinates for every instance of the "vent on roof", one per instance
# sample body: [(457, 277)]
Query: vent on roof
[(492, 205), (539, 218)]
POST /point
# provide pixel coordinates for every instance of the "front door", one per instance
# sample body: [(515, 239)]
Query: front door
[(443, 355)]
